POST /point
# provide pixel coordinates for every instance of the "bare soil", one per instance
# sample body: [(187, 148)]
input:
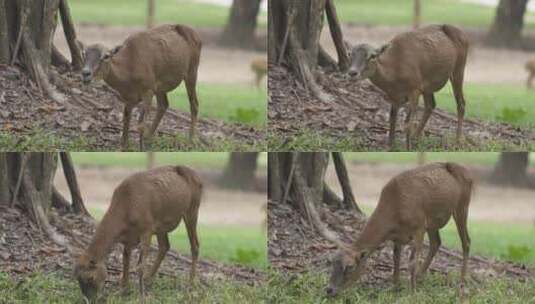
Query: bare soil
[(489, 202), (295, 246), (219, 206)]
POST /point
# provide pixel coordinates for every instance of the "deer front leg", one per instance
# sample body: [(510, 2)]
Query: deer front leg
[(144, 133), (415, 257), (410, 122), (127, 114)]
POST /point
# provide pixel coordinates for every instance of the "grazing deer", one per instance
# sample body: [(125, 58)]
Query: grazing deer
[(147, 203), (415, 63), (411, 204), (259, 67)]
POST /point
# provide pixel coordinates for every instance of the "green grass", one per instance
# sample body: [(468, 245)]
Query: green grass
[(400, 12), (472, 158), (233, 103), (55, 288), (315, 140), (501, 103), (309, 288), (46, 141), (129, 12)]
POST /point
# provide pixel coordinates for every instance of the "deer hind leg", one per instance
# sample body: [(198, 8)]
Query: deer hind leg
[(191, 227), (191, 87), (142, 263), (163, 105), (127, 115), (397, 259), (163, 247), (416, 249), (460, 218), (430, 104), (434, 245), (457, 84)]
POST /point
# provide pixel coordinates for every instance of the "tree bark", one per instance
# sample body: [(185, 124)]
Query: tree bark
[(506, 31), (70, 176), (341, 171), (30, 27), (241, 26), (338, 38), (240, 171), (511, 170), (30, 185)]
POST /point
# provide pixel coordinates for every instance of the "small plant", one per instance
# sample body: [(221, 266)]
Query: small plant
[(517, 253), (246, 256), (512, 115), (245, 116)]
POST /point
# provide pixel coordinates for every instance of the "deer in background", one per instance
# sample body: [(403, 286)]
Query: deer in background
[(411, 204), (147, 203), (259, 67), (530, 67)]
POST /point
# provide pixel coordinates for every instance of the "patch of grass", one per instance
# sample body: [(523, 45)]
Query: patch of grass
[(400, 12), (45, 141), (224, 243), (55, 288), (310, 288), (235, 103), (503, 103), (128, 12), (314, 140)]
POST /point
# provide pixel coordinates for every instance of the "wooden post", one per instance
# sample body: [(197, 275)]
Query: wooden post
[(417, 14), (150, 14)]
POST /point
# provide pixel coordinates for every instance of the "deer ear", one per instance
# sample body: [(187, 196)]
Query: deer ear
[(379, 51)]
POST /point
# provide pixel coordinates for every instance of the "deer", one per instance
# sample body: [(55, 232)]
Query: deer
[(149, 63), (144, 204), (412, 64), (259, 67), (530, 67), (415, 202)]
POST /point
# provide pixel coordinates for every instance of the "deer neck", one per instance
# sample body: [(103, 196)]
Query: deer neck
[(104, 239), (382, 78), (374, 234)]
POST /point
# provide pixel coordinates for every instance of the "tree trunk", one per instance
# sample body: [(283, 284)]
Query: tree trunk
[(294, 36), (506, 31), (417, 18), (511, 170), (240, 171), (27, 182), (29, 26), (298, 179), (241, 26)]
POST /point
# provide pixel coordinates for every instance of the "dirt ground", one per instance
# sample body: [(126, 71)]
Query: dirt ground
[(489, 203), (219, 206), (218, 65), (485, 65)]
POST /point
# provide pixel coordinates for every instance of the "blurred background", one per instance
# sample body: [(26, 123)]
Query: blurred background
[(501, 218), (232, 216), (234, 35), (502, 35)]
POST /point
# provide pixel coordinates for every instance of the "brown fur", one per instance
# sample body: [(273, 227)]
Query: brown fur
[(259, 67), (417, 63), (412, 203), (530, 67), (151, 62), (147, 203)]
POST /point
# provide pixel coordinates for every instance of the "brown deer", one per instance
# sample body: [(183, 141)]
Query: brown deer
[(147, 203), (415, 63), (530, 67), (151, 62), (259, 67), (412, 203)]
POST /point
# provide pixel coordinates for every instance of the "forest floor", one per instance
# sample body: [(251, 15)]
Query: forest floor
[(301, 258), (499, 108)]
